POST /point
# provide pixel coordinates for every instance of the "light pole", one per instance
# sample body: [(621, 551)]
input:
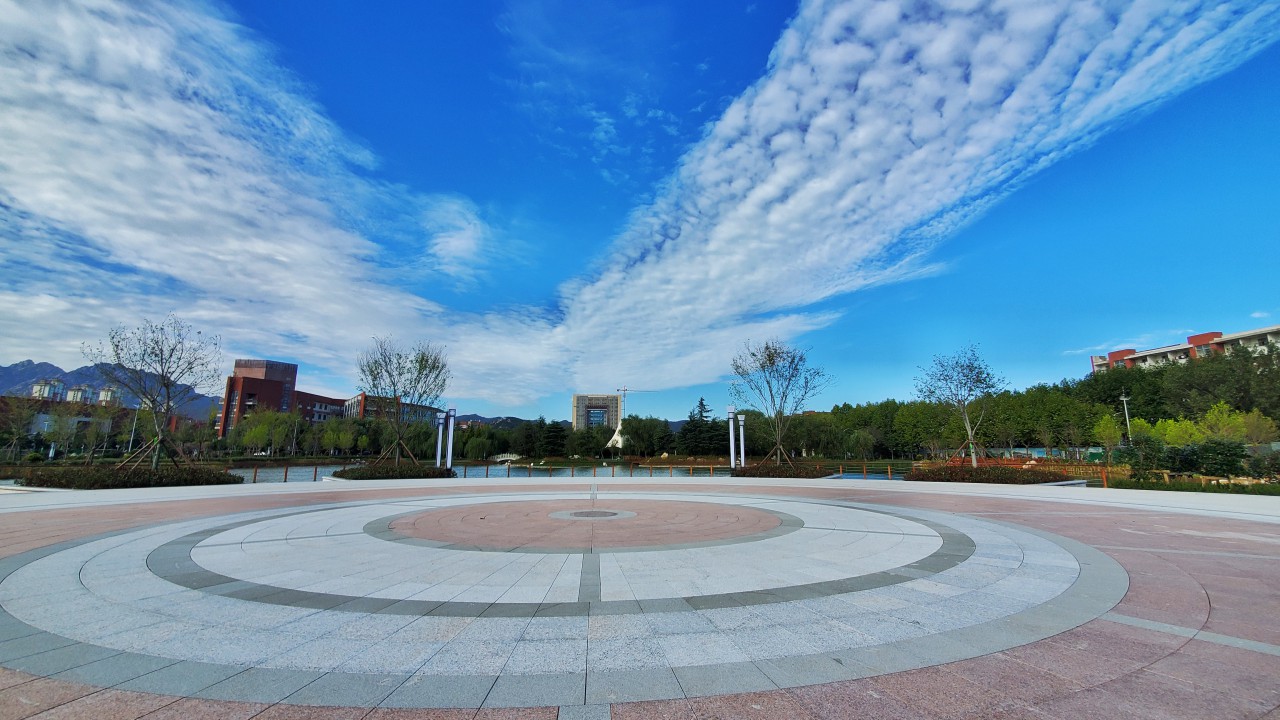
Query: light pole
[(742, 438), (733, 450), (452, 420), (1127, 430), (440, 416)]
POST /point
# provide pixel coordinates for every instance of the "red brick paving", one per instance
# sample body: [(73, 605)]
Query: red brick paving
[(1186, 570), (506, 525)]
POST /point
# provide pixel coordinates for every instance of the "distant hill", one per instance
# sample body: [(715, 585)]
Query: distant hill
[(18, 378)]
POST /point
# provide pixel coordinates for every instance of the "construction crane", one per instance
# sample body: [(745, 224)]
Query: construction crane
[(616, 440)]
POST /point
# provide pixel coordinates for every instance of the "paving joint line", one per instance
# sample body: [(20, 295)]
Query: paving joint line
[(1192, 633)]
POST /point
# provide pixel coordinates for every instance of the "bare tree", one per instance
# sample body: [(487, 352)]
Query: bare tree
[(163, 364), (404, 382), (962, 382), (16, 416), (775, 379)]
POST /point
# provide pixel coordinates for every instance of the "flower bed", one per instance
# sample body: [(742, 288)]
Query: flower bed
[(100, 477), (766, 470), (1260, 488), (403, 471), (997, 474)]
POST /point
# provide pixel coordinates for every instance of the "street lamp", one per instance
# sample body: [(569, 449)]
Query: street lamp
[(1125, 399), (742, 437), (439, 434), (733, 450), (452, 421)]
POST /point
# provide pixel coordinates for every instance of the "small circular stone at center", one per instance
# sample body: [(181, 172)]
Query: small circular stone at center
[(593, 514)]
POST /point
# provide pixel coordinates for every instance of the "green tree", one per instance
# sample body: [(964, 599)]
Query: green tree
[(964, 384), (1180, 432), (1220, 422), (1223, 458), (551, 443), (1108, 433), (648, 436), (16, 416), (1258, 428)]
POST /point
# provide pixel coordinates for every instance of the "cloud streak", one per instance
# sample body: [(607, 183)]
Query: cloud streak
[(154, 157)]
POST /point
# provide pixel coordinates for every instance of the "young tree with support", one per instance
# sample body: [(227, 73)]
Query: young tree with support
[(164, 365), (964, 383), (775, 379), (396, 376)]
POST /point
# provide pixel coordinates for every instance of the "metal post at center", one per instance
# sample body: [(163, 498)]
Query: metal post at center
[(742, 438), (451, 421)]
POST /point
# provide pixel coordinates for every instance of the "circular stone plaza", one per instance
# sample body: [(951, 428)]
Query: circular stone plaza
[(691, 598)]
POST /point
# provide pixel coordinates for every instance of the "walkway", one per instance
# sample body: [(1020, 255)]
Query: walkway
[(630, 599)]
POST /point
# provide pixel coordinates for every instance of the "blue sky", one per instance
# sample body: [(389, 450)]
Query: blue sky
[(575, 199)]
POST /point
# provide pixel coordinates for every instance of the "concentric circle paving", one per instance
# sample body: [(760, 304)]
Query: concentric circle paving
[(557, 525), (410, 603)]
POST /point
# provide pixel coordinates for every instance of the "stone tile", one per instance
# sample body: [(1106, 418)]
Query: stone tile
[(300, 712), (752, 706), (433, 691), (856, 699), (109, 705), (260, 685), (29, 698), (197, 709), (699, 681), (346, 689), (622, 686), (183, 678), (537, 690)]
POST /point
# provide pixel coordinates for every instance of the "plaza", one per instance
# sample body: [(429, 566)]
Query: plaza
[(638, 598)]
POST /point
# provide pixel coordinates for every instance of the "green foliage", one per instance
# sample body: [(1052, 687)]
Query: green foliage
[(768, 470), (1180, 432), (648, 436), (1264, 466), (702, 434), (1222, 458), (34, 457), (1190, 486), (1144, 454), (998, 474), (1259, 429), (387, 471), (103, 477)]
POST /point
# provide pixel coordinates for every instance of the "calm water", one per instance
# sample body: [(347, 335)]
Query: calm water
[(304, 473), (300, 473)]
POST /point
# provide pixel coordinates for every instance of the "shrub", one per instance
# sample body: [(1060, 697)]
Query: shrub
[(1265, 466), (998, 474), (1222, 458), (101, 477), (404, 471), (765, 470), (1143, 454), (1190, 486), (34, 457)]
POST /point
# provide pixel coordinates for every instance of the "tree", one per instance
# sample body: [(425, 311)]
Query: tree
[(1220, 422), (16, 416), (963, 382), (1258, 428), (1108, 433), (406, 379), (775, 379), (163, 364)]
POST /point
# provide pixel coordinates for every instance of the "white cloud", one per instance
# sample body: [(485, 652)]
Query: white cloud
[(1260, 314), (457, 237), (153, 158)]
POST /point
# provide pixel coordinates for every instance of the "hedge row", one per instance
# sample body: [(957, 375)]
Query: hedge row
[(766, 470), (403, 471), (997, 474), (1190, 486), (100, 477)]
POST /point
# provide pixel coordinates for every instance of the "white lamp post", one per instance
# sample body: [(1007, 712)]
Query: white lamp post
[(452, 420), (742, 437), (439, 435), (733, 450)]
